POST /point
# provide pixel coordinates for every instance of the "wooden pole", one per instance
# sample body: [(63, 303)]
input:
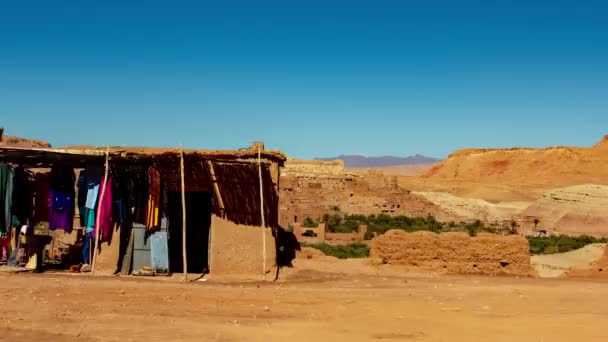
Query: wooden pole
[(216, 188), (98, 216), (218, 195), (262, 214), (184, 257)]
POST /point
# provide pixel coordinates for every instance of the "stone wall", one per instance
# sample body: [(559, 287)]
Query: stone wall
[(357, 236), (454, 252), (326, 237), (296, 166)]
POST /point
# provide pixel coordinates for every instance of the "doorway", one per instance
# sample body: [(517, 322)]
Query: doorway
[(198, 223)]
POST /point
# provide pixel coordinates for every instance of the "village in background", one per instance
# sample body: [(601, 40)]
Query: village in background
[(519, 212), (557, 197)]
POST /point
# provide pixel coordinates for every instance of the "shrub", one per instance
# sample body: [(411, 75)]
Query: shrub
[(309, 233), (346, 227), (310, 223), (560, 243), (332, 220), (354, 250), (380, 224)]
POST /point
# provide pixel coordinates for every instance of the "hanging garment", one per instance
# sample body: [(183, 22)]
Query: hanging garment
[(42, 200), (87, 246), (119, 209), (5, 243), (164, 208), (88, 192), (82, 196), (22, 197), (6, 198), (92, 193), (154, 198), (131, 185), (62, 179), (106, 223), (62, 211), (62, 199)]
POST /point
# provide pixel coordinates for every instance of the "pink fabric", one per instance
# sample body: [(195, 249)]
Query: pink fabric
[(4, 243), (105, 212)]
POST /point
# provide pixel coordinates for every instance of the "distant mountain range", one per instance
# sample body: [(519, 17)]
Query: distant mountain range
[(353, 161)]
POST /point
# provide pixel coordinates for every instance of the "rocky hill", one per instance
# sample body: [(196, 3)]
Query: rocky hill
[(603, 144), (581, 209), (7, 140), (548, 167)]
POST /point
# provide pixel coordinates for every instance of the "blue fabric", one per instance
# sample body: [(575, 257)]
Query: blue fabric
[(89, 242), (92, 193)]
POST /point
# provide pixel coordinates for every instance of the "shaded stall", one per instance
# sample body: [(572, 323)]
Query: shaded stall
[(223, 192)]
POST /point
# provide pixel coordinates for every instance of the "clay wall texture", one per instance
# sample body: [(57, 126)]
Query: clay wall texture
[(308, 194), (237, 249), (454, 252)]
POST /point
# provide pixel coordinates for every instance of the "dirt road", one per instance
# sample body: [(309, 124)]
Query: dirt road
[(311, 306)]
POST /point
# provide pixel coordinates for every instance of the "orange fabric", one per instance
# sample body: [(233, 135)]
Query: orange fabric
[(153, 207)]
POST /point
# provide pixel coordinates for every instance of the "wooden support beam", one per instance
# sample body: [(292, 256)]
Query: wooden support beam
[(262, 215), (216, 188), (184, 257), (98, 218)]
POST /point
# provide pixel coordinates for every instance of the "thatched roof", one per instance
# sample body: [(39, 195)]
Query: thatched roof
[(83, 154), (135, 152)]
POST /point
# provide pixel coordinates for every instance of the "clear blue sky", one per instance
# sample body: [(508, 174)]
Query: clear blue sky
[(313, 78)]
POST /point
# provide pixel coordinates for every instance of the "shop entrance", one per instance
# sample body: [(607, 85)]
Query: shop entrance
[(198, 223)]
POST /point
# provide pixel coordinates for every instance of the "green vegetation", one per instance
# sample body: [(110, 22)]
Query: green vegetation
[(309, 233), (560, 243), (354, 250), (310, 223), (380, 224)]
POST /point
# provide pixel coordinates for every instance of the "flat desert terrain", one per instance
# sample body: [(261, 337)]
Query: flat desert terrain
[(308, 305)]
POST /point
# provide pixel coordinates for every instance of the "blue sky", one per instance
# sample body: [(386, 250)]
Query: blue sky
[(313, 78)]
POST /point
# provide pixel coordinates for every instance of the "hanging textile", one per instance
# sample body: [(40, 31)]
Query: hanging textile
[(42, 200), (6, 197), (131, 184), (82, 196), (5, 243), (62, 199), (23, 193), (119, 212), (164, 208), (106, 224), (62, 211), (89, 182), (154, 198)]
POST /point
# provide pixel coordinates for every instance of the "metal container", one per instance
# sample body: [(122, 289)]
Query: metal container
[(141, 247), (160, 252)]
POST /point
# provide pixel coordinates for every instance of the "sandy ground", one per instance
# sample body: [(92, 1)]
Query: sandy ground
[(554, 265), (473, 207), (308, 305), (490, 191)]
